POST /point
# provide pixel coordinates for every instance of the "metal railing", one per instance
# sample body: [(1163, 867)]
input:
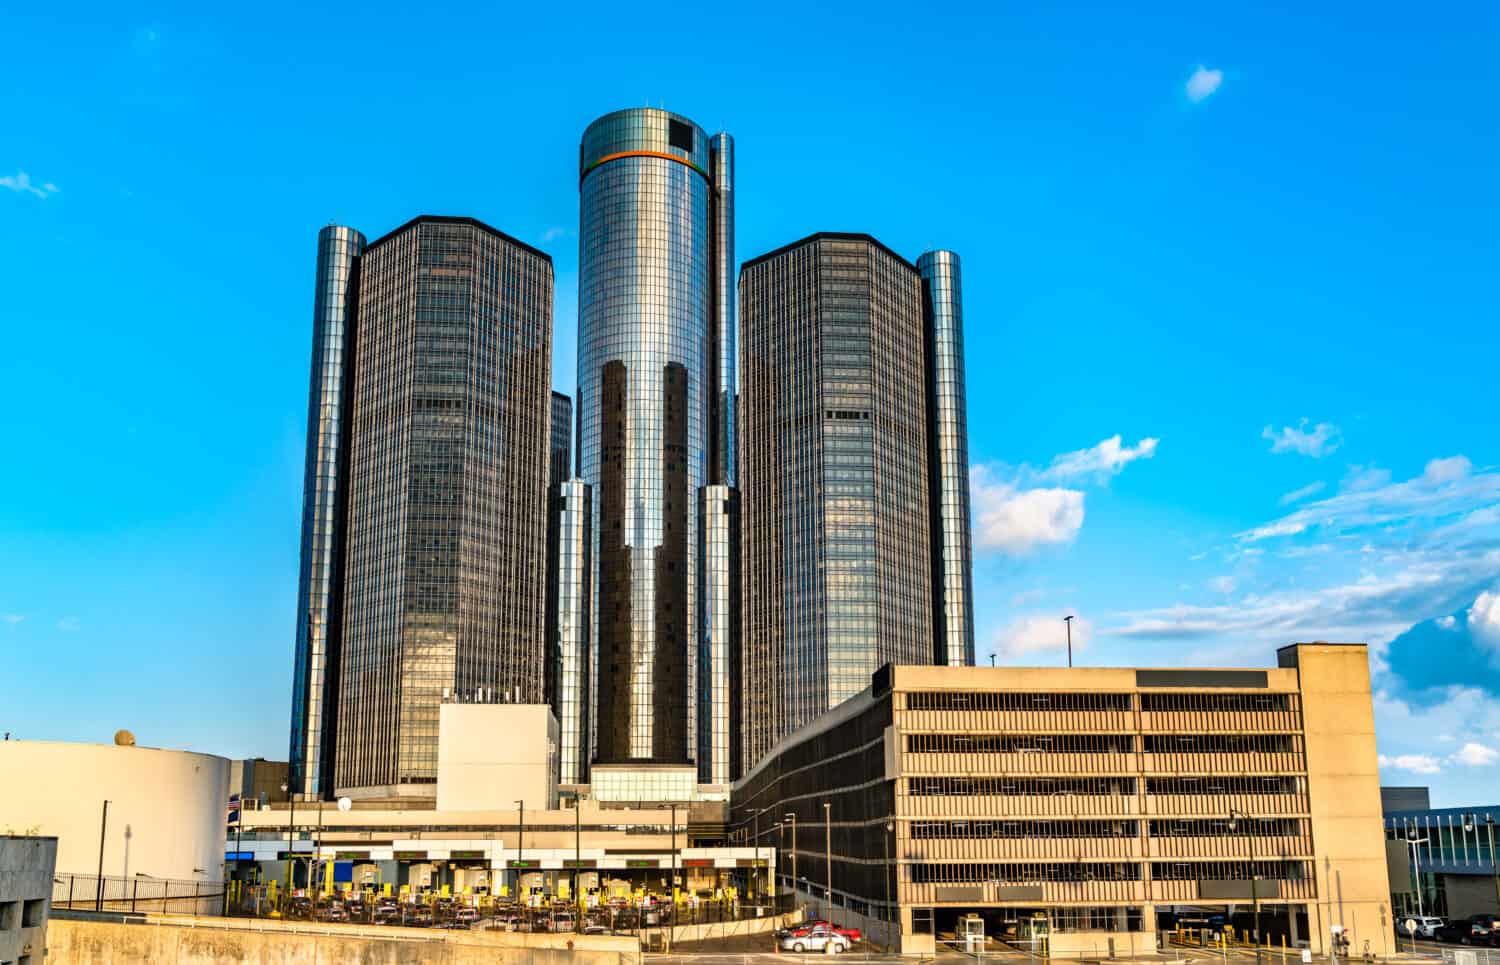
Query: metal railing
[(137, 895)]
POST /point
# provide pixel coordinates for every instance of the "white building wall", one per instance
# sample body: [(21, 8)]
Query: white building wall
[(492, 755), (166, 808)]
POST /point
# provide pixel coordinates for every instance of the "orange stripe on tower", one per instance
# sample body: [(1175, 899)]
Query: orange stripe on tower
[(661, 154)]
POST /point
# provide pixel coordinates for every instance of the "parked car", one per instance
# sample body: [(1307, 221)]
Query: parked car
[(852, 934), (466, 915), (819, 938), (1426, 925), (1474, 930)]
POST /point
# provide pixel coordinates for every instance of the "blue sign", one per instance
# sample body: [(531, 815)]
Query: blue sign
[(239, 856)]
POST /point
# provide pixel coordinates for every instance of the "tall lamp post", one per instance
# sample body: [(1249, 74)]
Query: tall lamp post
[(291, 848), (1068, 622), (792, 817), (755, 819), (828, 857), (98, 879), (1412, 840), (520, 844), (885, 842), (1235, 816)]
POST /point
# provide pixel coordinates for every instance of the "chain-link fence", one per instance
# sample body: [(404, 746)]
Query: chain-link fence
[(137, 895)]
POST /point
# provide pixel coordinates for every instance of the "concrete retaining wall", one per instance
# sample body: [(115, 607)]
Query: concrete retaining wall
[(174, 942)]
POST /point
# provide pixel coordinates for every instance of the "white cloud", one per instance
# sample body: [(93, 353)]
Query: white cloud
[(1317, 442), (1198, 556), (1416, 763), (1435, 494), (1222, 584), (1027, 596), (1449, 622), (1040, 633), (1202, 83), (555, 232), (1475, 755), (1297, 495), (1019, 509), (68, 624), (12, 619), (1372, 608), (1448, 470), (1017, 521), (1446, 738), (21, 182), (1098, 462), (1359, 478), (1484, 618)]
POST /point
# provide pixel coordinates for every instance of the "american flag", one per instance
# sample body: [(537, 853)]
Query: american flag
[(232, 810)]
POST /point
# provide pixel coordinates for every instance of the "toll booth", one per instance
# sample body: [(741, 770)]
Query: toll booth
[(971, 933)]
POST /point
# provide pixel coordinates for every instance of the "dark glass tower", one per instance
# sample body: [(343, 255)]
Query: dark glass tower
[(948, 459), (655, 372), (560, 465), (840, 548), (447, 483), (320, 578)]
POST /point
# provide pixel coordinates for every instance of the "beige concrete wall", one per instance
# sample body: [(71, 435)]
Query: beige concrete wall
[(171, 942), (1344, 783), (492, 755), (1047, 679), (166, 808), (25, 879)]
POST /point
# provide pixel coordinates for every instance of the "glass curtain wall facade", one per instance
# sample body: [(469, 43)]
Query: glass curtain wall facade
[(561, 459), (319, 583), (654, 204), (569, 585), (447, 494), (719, 712), (837, 546), (948, 459)]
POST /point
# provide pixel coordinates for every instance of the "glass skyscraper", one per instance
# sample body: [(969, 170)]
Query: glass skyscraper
[(320, 578), (560, 463), (843, 529), (948, 460), (656, 380), (448, 461)]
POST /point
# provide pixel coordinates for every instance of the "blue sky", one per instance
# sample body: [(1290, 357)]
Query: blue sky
[(1214, 255)]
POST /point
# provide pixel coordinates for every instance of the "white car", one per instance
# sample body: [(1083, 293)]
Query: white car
[(1427, 926), (819, 938)]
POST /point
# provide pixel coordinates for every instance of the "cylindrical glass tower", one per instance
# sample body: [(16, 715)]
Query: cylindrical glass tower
[(646, 390), (319, 582), (948, 459)]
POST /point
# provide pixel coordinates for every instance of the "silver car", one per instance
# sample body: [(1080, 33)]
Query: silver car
[(819, 938)]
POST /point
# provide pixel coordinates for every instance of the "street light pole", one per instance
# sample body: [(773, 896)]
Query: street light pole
[(885, 844), (792, 817), (577, 858), (828, 857), (520, 844), (1489, 824), (99, 880), (1234, 815), (1068, 622), (291, 848), (1412, 840)]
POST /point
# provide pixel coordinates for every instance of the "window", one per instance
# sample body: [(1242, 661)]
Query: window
[(10, 915), (34, 913), (680, 135), (921, 921)]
